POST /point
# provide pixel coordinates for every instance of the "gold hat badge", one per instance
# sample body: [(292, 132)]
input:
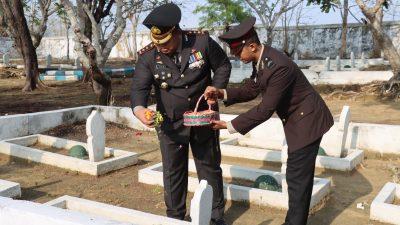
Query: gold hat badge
[(158, 38)]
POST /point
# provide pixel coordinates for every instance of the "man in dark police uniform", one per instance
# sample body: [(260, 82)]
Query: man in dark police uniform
[(286, 91), (178, 64)]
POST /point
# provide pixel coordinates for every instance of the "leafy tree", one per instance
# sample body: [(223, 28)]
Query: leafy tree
[(222, 13)]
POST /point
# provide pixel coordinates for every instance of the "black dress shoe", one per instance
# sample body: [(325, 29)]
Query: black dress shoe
[(218, 222)]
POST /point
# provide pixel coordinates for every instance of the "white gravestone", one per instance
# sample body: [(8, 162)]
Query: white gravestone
[(296, 56), (341, 134), (328, 64), (95, 130), (201, 204), (338, 66), (363, 59), (353, 62), (77, 63), (6, 59), (48, 61)]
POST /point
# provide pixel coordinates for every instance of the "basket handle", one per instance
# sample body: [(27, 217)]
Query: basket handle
[(198, 102)]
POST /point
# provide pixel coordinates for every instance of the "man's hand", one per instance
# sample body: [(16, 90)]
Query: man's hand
[(212, 94), (146, 116), (218, 124)]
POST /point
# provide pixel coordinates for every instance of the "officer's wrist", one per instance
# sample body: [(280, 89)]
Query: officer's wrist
[(221, 93)]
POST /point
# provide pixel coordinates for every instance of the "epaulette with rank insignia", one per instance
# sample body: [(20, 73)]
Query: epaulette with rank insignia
[(146, 48), (197, 32)]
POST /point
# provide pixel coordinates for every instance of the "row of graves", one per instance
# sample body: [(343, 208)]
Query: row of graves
[(67, 72), (258, 187)]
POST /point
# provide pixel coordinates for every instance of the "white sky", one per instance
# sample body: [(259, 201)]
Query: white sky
[(313, 15)]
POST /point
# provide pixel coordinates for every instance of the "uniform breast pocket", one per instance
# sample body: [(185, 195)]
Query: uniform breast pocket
[(305, 109)]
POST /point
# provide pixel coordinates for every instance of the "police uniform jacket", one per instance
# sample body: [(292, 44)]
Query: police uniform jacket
[(286, 91), (179, 86)]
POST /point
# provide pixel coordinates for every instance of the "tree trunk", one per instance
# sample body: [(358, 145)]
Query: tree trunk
[(67, 42), (388, 48), (285, 36), (342, 52), (14, 14), (101, 82), (386, 43), (376, 47), (270, 35), (134, 21), (87, 31)]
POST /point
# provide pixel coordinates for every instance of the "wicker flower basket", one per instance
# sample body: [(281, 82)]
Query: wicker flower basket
[(202, 118)]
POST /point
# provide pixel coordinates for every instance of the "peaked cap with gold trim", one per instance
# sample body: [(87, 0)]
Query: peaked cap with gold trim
[(162, 21)]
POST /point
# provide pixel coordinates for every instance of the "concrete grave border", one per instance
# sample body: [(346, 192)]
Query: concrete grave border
[(9, 189), (229, 148), (382, 208), (19, 212), (17, 147), (153, 175), (365, 136), (200, 209)]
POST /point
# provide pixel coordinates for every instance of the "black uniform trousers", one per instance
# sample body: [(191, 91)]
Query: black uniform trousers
[(300, 179), (207, 158)]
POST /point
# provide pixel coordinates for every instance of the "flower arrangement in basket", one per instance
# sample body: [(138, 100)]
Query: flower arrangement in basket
[(203, 118)]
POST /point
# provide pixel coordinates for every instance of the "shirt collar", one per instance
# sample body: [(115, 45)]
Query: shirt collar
[(260, 58)]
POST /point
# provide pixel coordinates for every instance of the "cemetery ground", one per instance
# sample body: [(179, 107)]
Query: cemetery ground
[(42, 183), (65, 94)]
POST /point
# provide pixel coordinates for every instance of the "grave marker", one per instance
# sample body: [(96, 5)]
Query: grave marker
[(48, 61), (95, 130), (77, 63), (6, 59), (363, 59), (338, 67), (328, 64)]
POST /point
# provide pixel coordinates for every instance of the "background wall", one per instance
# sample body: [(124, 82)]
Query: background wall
[(315, 41)]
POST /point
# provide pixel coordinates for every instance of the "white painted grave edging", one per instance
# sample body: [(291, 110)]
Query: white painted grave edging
[(10, 189), (229, 148), (17, 147), (382, 207), (380, 138), (18, 212), (153, 175), (200, 209)]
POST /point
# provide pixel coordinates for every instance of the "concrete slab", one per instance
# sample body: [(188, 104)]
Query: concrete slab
[(10, 189), (18, 212), (232, 148), (382, 207), (18, 147), (153, 175), (200, 212)]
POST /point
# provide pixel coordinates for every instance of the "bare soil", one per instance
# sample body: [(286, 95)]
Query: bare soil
[(41, 183), (368, 109), (61, 151)]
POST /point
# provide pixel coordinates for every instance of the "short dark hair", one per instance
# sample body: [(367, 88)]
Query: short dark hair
[(253, 39)]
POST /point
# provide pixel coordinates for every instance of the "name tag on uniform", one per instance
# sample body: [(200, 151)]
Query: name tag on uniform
[(196, 59)]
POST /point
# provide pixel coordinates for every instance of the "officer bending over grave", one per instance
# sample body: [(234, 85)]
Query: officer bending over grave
[(286, 91)]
